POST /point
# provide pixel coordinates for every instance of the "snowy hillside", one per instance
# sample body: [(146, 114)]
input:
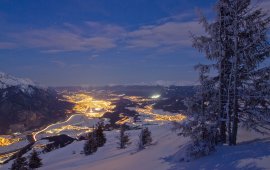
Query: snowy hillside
[(163, 154), (7, 80)]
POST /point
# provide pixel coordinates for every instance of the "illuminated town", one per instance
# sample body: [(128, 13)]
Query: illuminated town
[(86, 104), (5, 141), (87, 108), (86, 112)]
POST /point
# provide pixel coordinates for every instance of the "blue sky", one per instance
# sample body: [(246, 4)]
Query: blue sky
[(98, 42)]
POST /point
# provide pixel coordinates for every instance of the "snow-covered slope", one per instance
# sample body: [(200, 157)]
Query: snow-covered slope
[(7, 80), (162, 155)]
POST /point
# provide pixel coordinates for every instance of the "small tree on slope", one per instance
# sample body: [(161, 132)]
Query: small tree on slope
[(123, 138), (90, 145), (19, 164), (34, 160), (99, 134), (144, 138)]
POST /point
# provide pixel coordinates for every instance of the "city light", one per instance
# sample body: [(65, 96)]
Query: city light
[(152, 116), (8, 141), (155, 96), (85, 104)]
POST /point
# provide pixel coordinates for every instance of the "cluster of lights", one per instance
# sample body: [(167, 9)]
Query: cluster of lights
[(8, 141), (137, 99), (67, 128), (85, 104), (178, 117), (124, 120), (148, 110), (5, 157), (155, 96)]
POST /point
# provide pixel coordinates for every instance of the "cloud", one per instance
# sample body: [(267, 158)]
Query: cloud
[(178, 17), (63, 40), (93, 57), (165, 83), (176, 83), (166, 35), (59, 63), (88, 36), (7, 45), (63, 64), (73, 28), (109, 30)]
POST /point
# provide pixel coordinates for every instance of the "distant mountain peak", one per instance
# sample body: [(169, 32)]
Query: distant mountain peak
[(7, 80)]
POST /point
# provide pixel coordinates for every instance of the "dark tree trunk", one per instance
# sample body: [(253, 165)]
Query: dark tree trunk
[(234, 129)]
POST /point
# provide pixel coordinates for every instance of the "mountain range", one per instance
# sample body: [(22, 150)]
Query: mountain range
[(25, 105)]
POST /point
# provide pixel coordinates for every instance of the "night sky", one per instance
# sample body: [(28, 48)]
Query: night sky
[(99, 42)]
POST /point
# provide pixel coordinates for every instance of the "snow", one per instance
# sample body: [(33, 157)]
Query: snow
[(251, 155), (9, 81), (110, 157), (252, 152), (13, 146)]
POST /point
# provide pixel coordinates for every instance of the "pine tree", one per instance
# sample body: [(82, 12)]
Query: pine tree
[(34, 161), (256, 101), (123, 138), (140, 143), (99, 134), (90, 145), (19, 164), (201, 125), (237, 44), (144, 138)]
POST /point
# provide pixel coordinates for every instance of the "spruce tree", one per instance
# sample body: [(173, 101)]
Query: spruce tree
[(237, 44), (123, 138), (34, 160), (256, 105), (90, 145), (235, 87), (99, 134), (140, 143), (19, 164), (145, 138), (201, 124)]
